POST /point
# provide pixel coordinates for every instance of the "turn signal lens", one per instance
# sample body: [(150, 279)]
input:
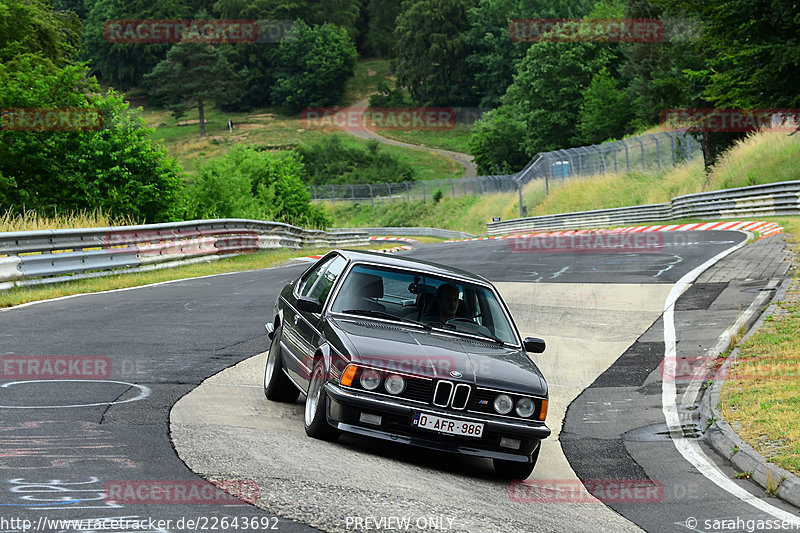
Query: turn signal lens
[(543, 411), (349, 374)]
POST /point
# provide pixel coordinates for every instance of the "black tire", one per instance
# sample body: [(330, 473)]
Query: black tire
[(314, 416), (277, 386), (510, 470)]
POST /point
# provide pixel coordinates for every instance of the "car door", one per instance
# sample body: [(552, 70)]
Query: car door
[(302, 327)]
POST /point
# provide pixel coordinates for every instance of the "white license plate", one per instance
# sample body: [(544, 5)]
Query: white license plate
[(448, 425)]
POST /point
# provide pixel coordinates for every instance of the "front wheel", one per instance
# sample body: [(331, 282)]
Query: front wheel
[(315, 418), (277, 385), (510, 470)]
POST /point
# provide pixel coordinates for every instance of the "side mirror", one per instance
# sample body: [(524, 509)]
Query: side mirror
[(309, 305), (532, 344)]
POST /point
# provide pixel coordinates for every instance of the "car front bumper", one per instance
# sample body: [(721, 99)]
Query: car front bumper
[(346, 406)]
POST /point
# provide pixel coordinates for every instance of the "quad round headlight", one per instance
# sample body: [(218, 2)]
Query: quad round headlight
[(395, 384), (525, 407), (503, 404), (370, 379)]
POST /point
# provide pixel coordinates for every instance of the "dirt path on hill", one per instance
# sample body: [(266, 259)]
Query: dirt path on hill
[(466, 160)]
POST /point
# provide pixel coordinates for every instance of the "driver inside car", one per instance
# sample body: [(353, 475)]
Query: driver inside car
[(446, 304)]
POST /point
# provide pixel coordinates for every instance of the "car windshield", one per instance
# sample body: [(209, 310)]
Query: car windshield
[(437, 302)]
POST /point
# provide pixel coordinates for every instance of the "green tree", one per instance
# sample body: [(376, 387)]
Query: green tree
[(605, 111), (548, 88), (251, 184), (655, 75), (494, 56), (31, 26), (314, 63), (192, 75), (115, 168), (124, 65), (752, 52), (496, 142), (380, 22), (431, 52)]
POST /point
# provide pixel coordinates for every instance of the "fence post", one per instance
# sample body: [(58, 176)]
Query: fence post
[(408, 192), (672, 147), (371, 196), (602, 158), (641, 145), (352, 193), (658, 151), (627, 157), (424, 194)]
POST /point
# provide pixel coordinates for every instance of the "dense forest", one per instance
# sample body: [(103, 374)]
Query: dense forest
[(540, 94)]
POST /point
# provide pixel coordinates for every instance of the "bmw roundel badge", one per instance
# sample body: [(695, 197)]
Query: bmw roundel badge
[(455, 374)]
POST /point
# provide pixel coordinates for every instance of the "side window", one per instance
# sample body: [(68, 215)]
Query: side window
[(323, 284), (308, 282)]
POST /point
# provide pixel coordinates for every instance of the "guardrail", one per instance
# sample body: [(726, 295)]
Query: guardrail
[(411, 232), (52, 256), (774, 199)]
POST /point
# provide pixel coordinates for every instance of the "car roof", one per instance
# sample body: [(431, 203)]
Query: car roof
[(414, 264)]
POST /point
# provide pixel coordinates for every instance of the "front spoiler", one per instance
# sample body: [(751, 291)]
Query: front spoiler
[(354, 399)]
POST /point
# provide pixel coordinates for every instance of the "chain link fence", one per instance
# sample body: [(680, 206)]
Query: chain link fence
[(655, 151)]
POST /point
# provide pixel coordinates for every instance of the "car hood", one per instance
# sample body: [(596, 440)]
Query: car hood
[(439, 354)]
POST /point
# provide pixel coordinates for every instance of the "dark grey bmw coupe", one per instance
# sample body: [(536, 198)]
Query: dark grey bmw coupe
[(408, 351)]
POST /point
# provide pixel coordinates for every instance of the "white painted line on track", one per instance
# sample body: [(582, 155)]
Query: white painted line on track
[(690, 449), (144, 392), (68, 296)]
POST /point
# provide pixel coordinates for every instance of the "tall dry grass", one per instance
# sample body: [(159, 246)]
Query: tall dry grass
[(29, 220)]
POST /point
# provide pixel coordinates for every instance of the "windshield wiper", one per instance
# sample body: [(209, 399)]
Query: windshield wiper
[(383, 314), (454, 327)]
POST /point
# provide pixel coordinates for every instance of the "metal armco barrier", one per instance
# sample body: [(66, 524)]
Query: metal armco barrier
[(411, 232), (52, 256), (774, 199)]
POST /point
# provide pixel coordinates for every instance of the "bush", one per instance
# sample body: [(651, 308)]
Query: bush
[(246, 183), (496, 142), (114, 169), (330, 161)]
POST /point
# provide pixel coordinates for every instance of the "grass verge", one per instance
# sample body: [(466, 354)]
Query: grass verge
[(761, 396), (456, 139), (268, 130), (255, 261)]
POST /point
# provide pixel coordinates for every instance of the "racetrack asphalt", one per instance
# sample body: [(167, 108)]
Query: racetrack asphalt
[(170, 338)]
